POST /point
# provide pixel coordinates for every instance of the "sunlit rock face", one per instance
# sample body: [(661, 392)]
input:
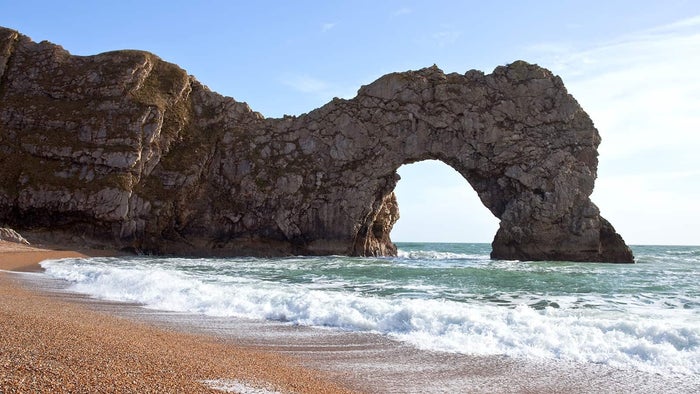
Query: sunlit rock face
[(125, 150), (10, 235)]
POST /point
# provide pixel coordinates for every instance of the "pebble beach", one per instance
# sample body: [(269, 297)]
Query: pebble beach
[(50, 345)]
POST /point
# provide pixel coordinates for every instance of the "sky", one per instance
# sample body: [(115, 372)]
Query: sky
[(632, 65)]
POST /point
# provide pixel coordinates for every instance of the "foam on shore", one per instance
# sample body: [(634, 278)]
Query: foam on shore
[(586, 329), (52, 343)]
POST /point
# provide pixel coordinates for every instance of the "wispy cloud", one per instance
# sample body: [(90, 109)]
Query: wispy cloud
[(319, 90), (642, 90), (306, 84), (402, 11), (445, 37), (674, 27), (327, 26)]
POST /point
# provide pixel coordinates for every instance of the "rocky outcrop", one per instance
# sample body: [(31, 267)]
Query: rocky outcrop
[(126, 150), (10, 235)]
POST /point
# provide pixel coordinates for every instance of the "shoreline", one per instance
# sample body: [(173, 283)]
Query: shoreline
[(26, 258), (51, 345), (170, 351)]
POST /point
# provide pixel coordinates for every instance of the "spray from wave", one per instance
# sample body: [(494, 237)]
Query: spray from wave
[(630, 331)]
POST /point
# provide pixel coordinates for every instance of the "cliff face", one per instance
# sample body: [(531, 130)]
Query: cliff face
[(125, 150)]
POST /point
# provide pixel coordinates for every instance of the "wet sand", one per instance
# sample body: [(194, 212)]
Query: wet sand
[(122, 347)]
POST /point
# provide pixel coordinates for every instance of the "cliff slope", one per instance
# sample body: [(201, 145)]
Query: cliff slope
[(125, 150)]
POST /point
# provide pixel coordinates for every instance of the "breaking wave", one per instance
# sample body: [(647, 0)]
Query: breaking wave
[(625, 331)]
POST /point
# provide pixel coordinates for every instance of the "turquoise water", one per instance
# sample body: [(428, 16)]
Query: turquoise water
[(442, 297)]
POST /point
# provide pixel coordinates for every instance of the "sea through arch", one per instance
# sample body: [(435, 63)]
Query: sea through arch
[(436, 204)]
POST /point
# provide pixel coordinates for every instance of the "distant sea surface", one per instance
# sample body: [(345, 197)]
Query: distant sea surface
[(437, 296)]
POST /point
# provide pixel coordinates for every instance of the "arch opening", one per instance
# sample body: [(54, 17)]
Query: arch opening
[(437, 204)]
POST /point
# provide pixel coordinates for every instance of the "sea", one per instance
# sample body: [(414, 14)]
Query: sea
[(449, 298)]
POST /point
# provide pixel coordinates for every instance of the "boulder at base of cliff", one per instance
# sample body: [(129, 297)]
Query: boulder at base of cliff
[(10, 235)]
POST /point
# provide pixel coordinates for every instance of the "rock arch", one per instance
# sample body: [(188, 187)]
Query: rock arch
[(127, 150), (516, 136)]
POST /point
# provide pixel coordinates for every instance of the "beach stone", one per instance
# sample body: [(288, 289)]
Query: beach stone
[(10, 235), (126, 150)]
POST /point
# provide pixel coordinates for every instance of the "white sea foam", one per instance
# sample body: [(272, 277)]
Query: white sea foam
[(238, 387), (660, 341), (436, 255)]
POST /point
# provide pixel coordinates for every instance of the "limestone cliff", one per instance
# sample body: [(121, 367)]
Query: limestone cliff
[(125, 150)]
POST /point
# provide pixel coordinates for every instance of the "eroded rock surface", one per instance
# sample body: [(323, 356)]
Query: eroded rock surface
[(10, 235), (125, 150)]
